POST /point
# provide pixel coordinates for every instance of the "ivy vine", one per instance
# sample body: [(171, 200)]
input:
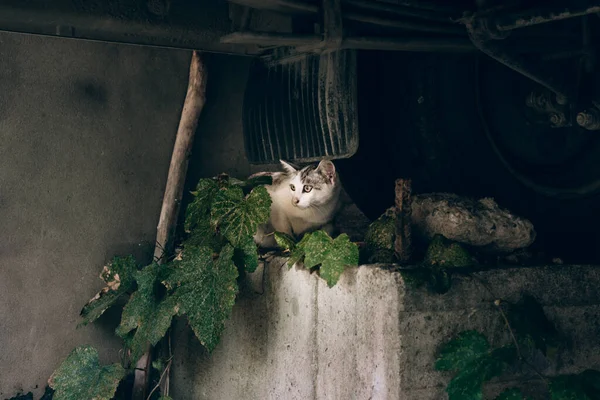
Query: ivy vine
[(200, 283), (474, 362)]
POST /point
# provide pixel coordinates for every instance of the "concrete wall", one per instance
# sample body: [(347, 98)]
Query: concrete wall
[(86, 134), (370, 337)]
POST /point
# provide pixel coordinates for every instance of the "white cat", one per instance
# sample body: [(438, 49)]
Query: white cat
[(304, 200)]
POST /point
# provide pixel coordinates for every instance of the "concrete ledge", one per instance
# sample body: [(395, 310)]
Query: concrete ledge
[(370, 337)]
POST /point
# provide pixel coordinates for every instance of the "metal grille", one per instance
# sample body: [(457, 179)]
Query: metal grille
[(303, 110)]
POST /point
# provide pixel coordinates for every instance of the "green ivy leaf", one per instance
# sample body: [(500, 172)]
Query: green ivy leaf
[(203, 234), (238, 217), (81, 376), (146, 313), (342, 253), (205, 290), (461, 351), (470, 356), (316, 248), (512, 394), (119, 278), (567, 388), (199, 209), (165, 398), (298, 253), (246, 256), (333, 255), (286, 242), (584, 386)]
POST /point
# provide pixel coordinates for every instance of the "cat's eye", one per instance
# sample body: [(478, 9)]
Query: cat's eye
[(307, 188), (293, 188)]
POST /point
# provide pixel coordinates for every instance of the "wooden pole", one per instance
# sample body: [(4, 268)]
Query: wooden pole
[(192, 107)]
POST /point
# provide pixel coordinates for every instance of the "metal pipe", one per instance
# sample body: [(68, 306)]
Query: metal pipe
[(315, 43), (479, 38), (272, 39), (405, 24), (408, 44), (419, 13), (536, 16), (444, 24)]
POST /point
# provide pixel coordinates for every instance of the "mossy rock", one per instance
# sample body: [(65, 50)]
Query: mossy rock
[(380, 237), (444, 253)]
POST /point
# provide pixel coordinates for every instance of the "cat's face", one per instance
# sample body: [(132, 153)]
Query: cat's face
[(312, 185)]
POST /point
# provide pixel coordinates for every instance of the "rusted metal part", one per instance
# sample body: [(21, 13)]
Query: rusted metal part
[(285, 6), (391, 8), (186, 25), (332, 24), (589, 119), (545, 103), (480, 37), (420, 20), (419, 44), (403, 202), (302, 110), (536, 16), (314, 43), (405, 24), (272, 39)]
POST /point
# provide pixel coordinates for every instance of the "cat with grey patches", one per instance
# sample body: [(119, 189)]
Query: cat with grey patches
[(304, 200)]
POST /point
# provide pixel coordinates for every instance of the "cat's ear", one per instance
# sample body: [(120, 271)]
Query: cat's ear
[(289, 168), (328, 170)]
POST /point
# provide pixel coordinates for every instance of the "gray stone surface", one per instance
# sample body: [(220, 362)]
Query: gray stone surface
[(86, 134), (370, 337)]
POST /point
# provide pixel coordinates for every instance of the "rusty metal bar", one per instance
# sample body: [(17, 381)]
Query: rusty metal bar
[(452, 45), (384, 7), (405, 24), (271, 39), (536, 16), (314, 43)]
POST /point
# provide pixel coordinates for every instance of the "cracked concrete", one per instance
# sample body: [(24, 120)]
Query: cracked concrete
[(371, 337)]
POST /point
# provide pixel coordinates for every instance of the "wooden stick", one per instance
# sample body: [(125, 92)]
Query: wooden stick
[(192, 107), (402, 246)]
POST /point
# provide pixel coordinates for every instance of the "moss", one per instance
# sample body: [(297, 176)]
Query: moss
[(380, 237), (445, 253)]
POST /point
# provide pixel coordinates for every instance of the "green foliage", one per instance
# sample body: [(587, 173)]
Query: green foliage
[(205, 290), (246, 256), (146, 312), (318, 248), (286, 242), (444, 253), (334, 255), (81, 376), (512, 394), (196, 211), (470, 356), (119, 278), (380, 237), (238, 217), (584, 386)]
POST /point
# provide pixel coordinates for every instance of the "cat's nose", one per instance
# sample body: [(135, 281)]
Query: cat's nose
[(296, 200)]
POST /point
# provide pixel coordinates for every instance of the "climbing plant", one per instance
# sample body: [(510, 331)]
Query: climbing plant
[(474, 362), (199, 283)]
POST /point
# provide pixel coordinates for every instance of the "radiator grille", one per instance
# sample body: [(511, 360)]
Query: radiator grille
[(302, 111)]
